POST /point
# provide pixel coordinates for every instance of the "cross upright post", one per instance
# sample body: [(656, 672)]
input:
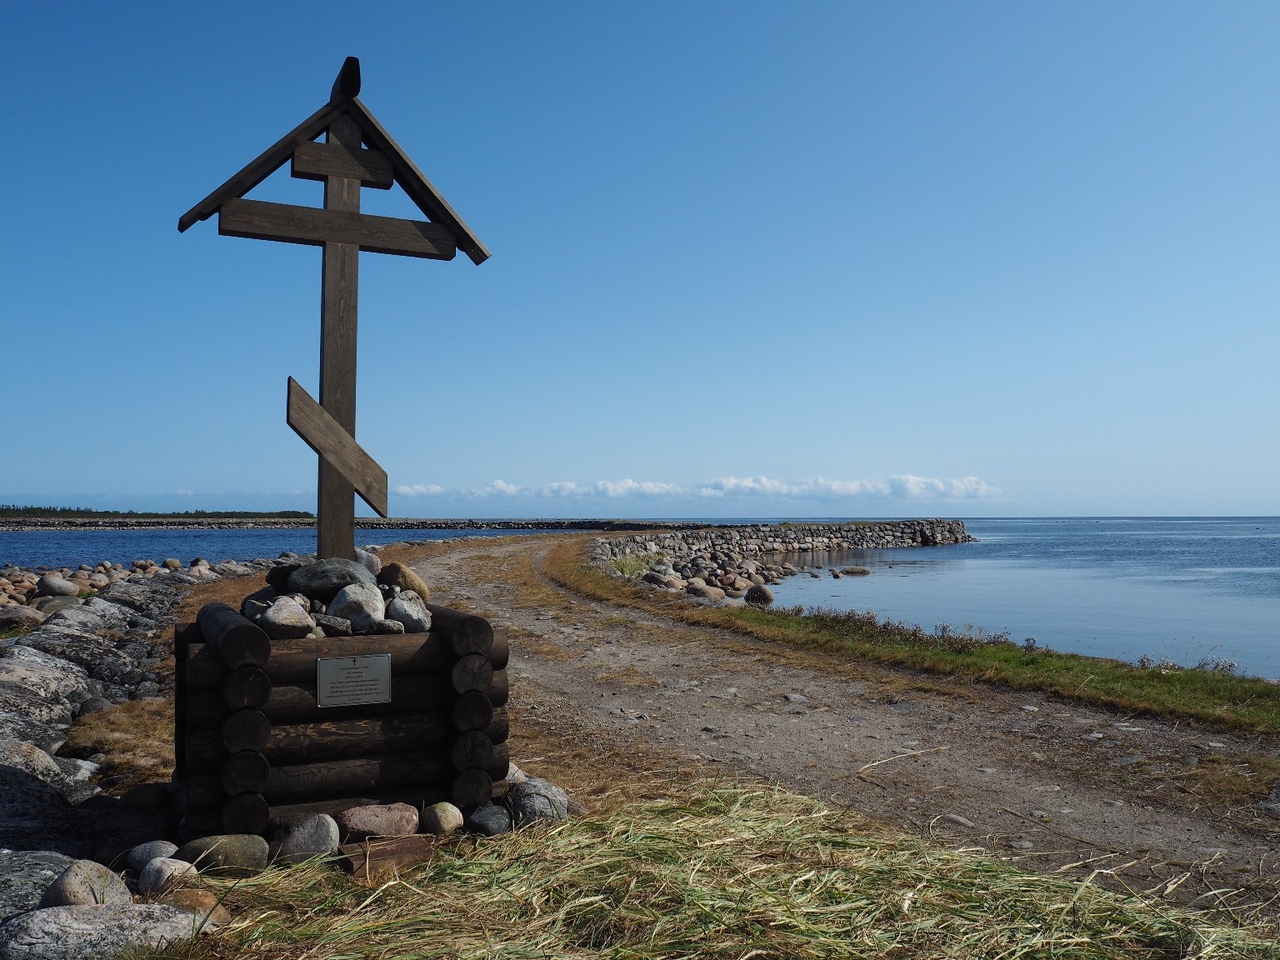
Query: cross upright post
[(335, 500), (357, 153)]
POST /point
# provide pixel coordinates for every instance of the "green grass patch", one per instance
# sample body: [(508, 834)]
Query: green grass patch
[(725, 872), (635, 565), (1214, 698)]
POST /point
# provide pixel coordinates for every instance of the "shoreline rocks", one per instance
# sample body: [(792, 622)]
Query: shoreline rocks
[(738, 563)]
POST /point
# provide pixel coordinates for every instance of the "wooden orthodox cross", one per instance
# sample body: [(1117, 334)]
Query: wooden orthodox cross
[(357, 152)]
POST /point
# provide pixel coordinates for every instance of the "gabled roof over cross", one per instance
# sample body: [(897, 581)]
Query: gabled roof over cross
[(356, 153), (380, 166)]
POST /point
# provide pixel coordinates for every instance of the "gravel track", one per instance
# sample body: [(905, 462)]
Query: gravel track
[(1048, 785)]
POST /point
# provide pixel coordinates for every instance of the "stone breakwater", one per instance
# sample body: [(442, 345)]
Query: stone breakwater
[(715, 563), (288, 523)]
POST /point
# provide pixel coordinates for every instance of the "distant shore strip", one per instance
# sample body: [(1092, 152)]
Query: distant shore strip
[(363, 523)]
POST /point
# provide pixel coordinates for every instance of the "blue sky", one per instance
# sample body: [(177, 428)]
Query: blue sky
[(749, 259)]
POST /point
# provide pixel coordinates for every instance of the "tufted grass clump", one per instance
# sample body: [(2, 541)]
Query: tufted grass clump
[(635, 565), (725, 872)]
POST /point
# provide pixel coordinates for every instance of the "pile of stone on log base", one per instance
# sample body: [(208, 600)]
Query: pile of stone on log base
[(253, 742)]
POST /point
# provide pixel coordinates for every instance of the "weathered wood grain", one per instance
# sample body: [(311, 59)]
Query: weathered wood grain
[(245, 813), (326, 437), (294, 661), (245, 687), (357, 777), (315, 161), (467, 633), (238, 641), (285, 222)]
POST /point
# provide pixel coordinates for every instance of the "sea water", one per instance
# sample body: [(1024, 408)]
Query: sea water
[(54, 548), (1178, 589), (1184, 590)]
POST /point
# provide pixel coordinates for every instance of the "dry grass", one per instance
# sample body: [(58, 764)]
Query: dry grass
[(136, 737), (725, 871)]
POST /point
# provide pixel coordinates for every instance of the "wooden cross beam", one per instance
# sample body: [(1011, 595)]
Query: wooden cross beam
[(357, 152)]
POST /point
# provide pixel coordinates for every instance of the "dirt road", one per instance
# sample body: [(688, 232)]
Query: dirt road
[(1048, 785)]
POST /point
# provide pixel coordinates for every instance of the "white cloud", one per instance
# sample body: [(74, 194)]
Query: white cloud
[(498, 488), (419, 489), (906, 487)]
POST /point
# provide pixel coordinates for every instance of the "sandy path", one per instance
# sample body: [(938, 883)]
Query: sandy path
[(1049, 785)]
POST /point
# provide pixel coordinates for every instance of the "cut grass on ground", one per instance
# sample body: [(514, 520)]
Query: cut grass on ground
[(725, 871), (1213, 698)]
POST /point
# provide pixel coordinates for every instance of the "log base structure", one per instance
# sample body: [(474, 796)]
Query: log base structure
[(254, 741)]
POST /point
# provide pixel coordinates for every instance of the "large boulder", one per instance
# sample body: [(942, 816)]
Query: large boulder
[(86, 882), (302, 837), (406, 608), (19, 616), (378, 820), (52, 585), (35, 814), (405, 578), (323, 579), (102, 930), (537, 799), (43, 673), (286, 619), (360, 603), (24, 877), (233, 854)]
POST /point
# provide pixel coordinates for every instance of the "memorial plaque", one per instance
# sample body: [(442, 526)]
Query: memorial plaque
[(348, 681)]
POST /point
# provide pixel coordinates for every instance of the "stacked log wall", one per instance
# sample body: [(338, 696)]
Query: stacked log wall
[(253, 743)]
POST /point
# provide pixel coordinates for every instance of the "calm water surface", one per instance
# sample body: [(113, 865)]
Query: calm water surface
[(70, 548), (1181, 589)]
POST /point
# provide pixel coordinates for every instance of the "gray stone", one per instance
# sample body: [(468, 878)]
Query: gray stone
[(323, 579), (286, 619), (231, 568), (407, 608), (51, 605), (758, 595), (332, 626), (24, 877), (22, 700), (30, 759), (304, 837), (48, 737), (361, 603), (161, 874), (705, 592), (19, 616), (440, 819), (537, 799), (86, 882), (232, 854), (388, 627), (144, 853), (43, 673), (102, 930), (52, 585), (489, 820), (406, 578), (98, 657), (93, 705), (370, 561), (378, 820)]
